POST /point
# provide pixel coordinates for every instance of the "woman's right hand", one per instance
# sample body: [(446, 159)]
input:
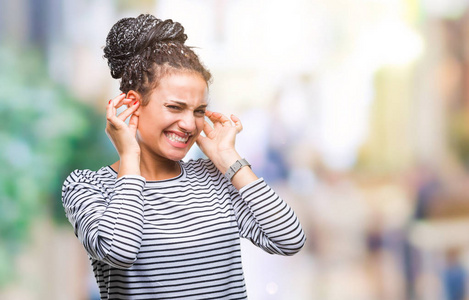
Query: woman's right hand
[(122, 135)]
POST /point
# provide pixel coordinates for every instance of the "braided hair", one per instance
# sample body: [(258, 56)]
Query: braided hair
[(140, 51)]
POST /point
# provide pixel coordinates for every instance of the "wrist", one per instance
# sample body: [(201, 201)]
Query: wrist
[(225, 159), (129, 165), (236, 167), (130, 155)]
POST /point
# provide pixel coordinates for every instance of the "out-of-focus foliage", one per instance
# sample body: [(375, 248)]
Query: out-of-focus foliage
[(45, 133), (458, 134)]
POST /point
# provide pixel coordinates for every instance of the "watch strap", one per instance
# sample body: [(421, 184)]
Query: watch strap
[(235, 167)]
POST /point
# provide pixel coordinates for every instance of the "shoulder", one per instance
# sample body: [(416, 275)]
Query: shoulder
[(202, 168), (200, 165), (86, 175), (87, 178)]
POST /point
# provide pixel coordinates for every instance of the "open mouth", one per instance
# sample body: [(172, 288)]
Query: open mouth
[(184, 138)]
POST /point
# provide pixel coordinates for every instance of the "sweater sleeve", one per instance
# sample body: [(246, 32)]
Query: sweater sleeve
[(109, 225), (266, 220)]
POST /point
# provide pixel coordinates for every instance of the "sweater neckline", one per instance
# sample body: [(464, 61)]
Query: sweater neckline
[(179, 177)]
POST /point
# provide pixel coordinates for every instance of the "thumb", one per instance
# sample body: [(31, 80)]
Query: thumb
[(200, 139), (133, 123), (202, 142)]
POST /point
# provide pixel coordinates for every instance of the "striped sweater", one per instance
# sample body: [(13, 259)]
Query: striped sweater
[(175, 238)]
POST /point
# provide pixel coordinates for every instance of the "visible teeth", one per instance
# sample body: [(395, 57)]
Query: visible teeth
[(175, 138)]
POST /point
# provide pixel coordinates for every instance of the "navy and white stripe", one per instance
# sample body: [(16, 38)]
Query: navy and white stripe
[(175, 238)]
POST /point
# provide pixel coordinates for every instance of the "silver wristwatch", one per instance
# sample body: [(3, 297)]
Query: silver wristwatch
[(234, 168)]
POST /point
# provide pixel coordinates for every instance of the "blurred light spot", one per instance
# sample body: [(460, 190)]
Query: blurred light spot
[(18, 153), (444, 8), (10, 210), (271, 288), (391, 43), (302, 180)]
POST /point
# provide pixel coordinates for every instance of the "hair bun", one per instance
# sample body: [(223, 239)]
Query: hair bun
[(130, 36)]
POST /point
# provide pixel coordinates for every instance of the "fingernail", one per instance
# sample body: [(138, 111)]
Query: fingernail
[(110, 101), (121, 94), (135, 102)]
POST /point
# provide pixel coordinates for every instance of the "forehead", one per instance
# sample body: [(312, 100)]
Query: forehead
[(182, 86)]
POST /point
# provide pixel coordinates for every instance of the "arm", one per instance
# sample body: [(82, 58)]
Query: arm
[(265, 219), (122, 135), (108, 225), (219, 146)]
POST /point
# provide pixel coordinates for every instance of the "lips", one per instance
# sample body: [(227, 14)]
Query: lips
[(177, 137)]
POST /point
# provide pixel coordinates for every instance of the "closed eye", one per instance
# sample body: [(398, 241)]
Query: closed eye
[(200, 112)]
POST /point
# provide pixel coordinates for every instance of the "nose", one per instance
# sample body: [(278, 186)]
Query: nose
[(187, 122)]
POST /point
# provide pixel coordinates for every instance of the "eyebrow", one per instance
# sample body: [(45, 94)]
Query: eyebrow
[(184, 104)]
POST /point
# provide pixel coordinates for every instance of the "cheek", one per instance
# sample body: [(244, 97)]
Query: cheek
[(152, 120), (199, 123), (145, 118)]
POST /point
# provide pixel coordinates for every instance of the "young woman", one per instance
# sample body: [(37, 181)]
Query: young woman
[(156, 227)]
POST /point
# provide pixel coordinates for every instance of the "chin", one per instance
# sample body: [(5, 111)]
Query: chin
[(176, 156)]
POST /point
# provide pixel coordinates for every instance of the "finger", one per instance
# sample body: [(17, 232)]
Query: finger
[(111, 113), (207, 128), (116, 99), (111, 109), (220, 120), (218, 117), (126, 113), (237, 122), (122, 101), (200, 140), (210, 116), (126, 101)]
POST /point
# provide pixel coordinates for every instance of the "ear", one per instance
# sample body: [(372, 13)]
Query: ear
[(134, 96)]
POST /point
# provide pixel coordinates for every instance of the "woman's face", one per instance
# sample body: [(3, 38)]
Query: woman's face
[(172, 120)]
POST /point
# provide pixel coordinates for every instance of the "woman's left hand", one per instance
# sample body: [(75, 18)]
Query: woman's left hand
[(219, 141)]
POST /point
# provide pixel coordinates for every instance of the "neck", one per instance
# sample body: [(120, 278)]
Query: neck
[(158, 168), (154, 167)]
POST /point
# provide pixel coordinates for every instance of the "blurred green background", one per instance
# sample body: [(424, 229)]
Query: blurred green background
[(355, 111)]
